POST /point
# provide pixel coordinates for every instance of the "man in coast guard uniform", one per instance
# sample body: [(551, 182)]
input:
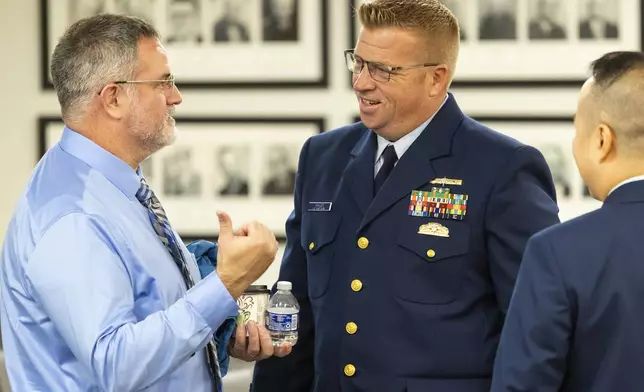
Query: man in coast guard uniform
[(408, 227), (576, 321)]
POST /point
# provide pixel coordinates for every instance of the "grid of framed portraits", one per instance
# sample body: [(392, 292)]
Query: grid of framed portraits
[(217, 43), (535, 42), (244, 166)]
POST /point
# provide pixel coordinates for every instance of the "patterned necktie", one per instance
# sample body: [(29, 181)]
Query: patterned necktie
[(162, 227), (389, 160)]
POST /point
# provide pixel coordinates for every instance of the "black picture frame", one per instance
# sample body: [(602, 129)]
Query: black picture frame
[(523, 61), (239, 65), (243, 165)]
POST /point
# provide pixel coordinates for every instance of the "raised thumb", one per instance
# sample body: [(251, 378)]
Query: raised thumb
[(225, 225)]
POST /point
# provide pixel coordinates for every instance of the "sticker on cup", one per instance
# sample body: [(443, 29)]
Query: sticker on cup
[(252, 304)]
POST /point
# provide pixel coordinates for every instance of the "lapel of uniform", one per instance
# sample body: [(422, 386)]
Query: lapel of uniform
[(359, 173), (414, 169)]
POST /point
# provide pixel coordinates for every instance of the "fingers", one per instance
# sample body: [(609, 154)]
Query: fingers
[(253, 339), (257, 345), (265, 342), (242, 231), (239, 348), (262, 234), (225, 225)]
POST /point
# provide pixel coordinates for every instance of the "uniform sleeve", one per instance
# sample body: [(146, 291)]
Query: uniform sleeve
[(523, 203), (77, 275), (293, 373), (535, 340)]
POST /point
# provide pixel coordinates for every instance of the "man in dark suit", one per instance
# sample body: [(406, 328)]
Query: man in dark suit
[(595, 24), (408, 227), (280, 20), (575, 320), (280, 169), (499, 20), (230, 28), (544, 25), (233, 166)]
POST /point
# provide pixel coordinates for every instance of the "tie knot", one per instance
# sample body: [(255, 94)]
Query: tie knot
[(145, 192), (389, 155)]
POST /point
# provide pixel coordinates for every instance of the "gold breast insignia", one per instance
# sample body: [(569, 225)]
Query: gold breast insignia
[(446, 181), (434, 228)]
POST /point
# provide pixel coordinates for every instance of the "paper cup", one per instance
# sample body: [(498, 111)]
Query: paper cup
[(252, 305)]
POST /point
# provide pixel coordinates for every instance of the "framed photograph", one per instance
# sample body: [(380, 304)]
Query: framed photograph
[(217, 43), (535, 43), (244, 166)]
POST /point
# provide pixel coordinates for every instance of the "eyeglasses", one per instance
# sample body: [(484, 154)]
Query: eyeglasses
[(168, 83), (379, 72)]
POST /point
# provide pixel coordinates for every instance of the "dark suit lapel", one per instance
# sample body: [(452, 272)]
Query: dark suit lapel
[(358, 175), (414, 168)]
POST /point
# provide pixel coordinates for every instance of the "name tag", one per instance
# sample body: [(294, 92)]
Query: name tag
[(320, 206)]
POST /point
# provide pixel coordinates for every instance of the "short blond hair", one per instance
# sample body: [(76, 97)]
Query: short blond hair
[(430, 18)]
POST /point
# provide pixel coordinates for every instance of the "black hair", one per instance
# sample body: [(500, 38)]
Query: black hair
[(610, 67)]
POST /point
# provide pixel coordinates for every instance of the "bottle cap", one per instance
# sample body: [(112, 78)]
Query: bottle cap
[(284, 285)]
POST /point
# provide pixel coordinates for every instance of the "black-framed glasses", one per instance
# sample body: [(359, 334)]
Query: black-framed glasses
[(379, 72)]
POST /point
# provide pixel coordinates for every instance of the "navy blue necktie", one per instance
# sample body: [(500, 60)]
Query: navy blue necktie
[(389, 160), (162, 227)]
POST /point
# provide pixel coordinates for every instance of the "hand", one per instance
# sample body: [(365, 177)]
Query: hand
[(243, 257), (256, 346), (243, 231)]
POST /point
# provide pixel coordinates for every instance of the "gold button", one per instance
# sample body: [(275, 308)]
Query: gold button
[(363, 243), (311, 245), (431, 253), (352, 328), (356, 285), (349, 370)]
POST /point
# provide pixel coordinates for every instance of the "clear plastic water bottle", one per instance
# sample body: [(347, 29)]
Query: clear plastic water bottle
[(282, 315)]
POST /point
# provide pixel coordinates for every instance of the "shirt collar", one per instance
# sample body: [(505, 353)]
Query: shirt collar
[(113, 168), (401, 145)]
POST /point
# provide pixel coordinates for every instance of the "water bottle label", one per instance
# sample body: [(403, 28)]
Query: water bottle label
[(281, 322)]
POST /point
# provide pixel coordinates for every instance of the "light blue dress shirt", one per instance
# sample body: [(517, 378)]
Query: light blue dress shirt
[(91, 299)]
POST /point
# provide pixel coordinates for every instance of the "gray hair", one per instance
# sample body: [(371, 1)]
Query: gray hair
[(93, 52)]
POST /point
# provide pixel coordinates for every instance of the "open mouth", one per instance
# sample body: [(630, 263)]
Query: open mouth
[(369, 102)]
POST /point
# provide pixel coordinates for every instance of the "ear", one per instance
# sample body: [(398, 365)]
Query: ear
[(437, 80), (605, 142), (113, 101)]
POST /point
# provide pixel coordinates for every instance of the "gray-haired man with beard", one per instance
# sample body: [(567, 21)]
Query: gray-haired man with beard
[(98, 291)]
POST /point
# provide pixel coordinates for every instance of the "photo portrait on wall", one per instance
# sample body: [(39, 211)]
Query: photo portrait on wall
[(534, 43), (217, 43)]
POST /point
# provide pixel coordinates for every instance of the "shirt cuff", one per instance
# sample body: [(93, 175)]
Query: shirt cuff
[(212, 301)]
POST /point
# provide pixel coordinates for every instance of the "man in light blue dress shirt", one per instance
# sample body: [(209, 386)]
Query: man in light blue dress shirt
[(92, 296)]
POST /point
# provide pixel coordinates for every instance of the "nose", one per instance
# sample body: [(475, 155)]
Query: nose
[(363, 80), (175, 97)]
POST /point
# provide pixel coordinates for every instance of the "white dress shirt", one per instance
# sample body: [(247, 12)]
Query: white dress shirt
[(401, 145)]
